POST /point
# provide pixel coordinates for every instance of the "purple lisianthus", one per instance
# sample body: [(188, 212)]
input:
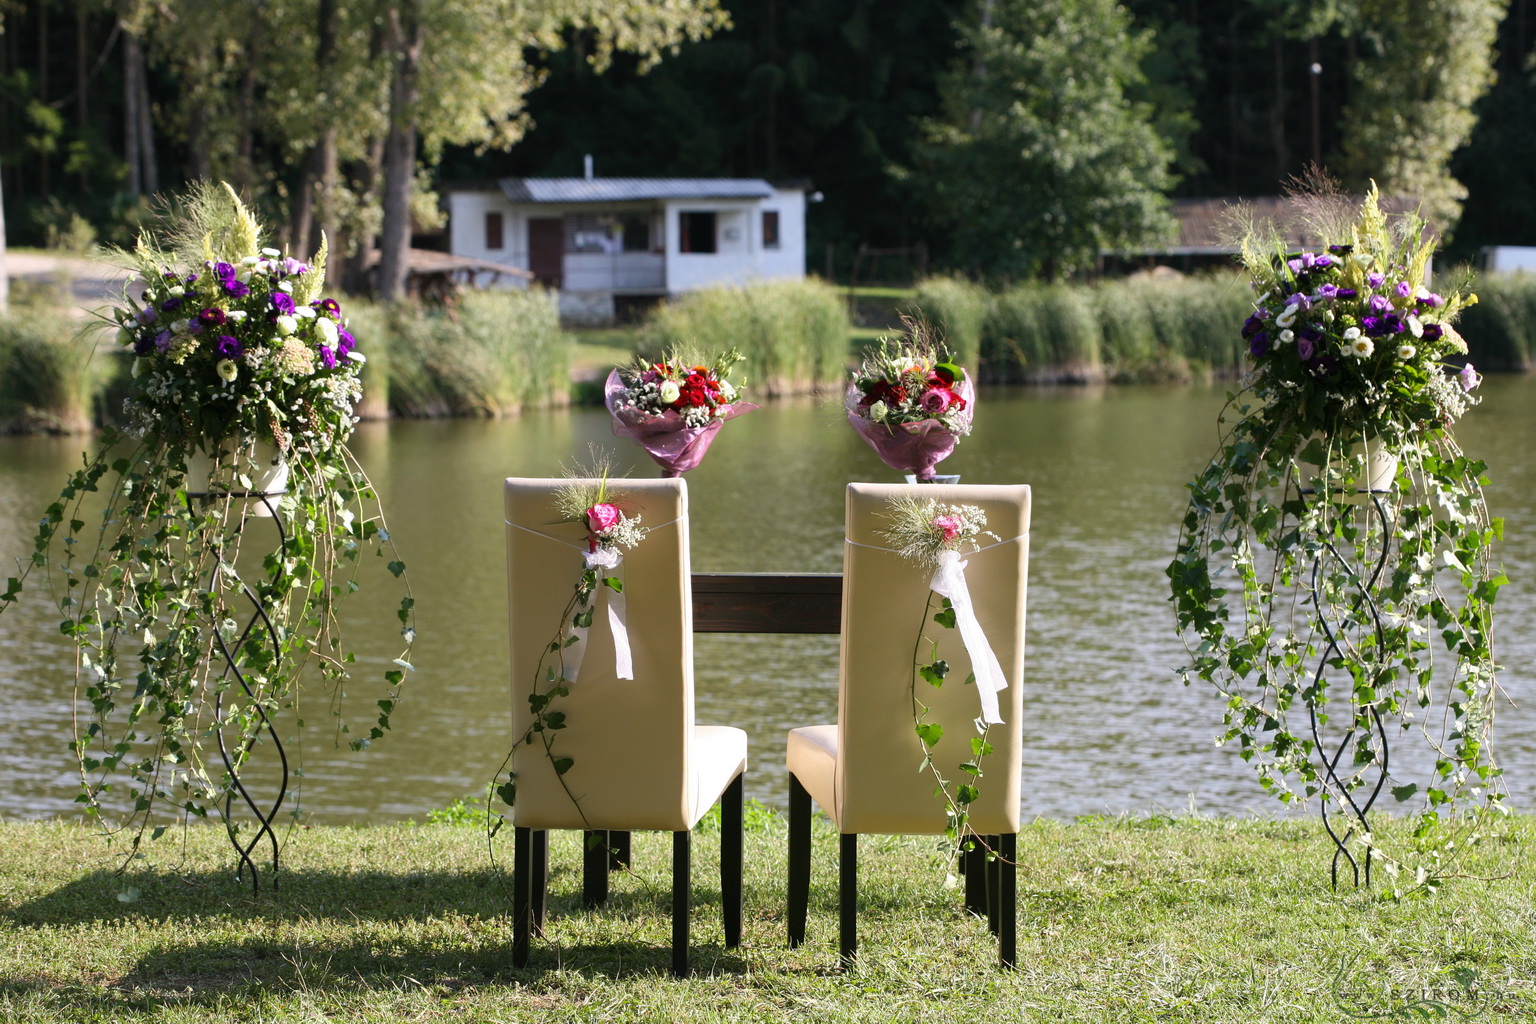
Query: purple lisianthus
[(163, 341), (1469, 378), (1375, 279), (228, 347), (282, 302), (1327, 292), (225, 272), (1300, 301), (1345, 294), (346, 343), (292, 266), (1379, 304), (1373, 326), (1255, 323), (1323, 366), (1403, 289), (236, 289), (1393, 324), (327, 357), (170, 305), (144, 344), (146, 315), (1258, 345), (1305, 347), (1431, 300)]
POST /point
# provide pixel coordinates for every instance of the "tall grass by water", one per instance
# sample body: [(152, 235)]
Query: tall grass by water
[(1120, 920), (49, 380), (1501, 329), (793, 335)]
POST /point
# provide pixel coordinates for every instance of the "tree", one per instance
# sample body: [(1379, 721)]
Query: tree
[(1042, 158), (1427, 62)]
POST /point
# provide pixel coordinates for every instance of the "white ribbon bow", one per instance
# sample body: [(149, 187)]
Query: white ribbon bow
[(949, 581), (623, 664)]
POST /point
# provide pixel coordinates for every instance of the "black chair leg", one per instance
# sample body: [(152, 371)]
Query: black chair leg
[(538, 878), (731, 815), (973, 865), (1008, 911), (522, 857), (994, 881), (618, 850), (594, 868), (681, 885), (798, 897), (848, 898)]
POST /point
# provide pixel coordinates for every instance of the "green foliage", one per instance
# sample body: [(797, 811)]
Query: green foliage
[(793, 335), (957, 310), (48, 376), (1501, 329), (1041, 159)]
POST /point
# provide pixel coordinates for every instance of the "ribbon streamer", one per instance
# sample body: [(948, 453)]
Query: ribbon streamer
[(623, 662), (949, 581)]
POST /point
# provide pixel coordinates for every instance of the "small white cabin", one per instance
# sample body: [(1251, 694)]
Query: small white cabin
[(611, 245)]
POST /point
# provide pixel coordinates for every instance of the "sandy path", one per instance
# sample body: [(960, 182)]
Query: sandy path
[(91, 284)]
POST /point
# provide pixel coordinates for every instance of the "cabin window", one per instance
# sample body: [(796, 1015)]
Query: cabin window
[(493, 232), (770, 229), (637, 233), (696, 231)]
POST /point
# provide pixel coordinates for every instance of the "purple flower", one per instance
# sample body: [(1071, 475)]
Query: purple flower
[(236, 289), (1469, 378), (1304, 347), (346, 343), (144, 344), (1300, 301), (328, 306), (1346, 294), (1431, 300), (1259, 344), (1373, 326), (1327, 292), (213, 316), (1394, 324), (1379, 304), (170, 305), (1403, 289), (224, 272), (283, 303), (1323, 366), (1323, 261), (1341, 250), (146, 315), (327, 357), (163, 341), (1375, 280), (1433, 332), (293, 266), (1255, 323), (229, 348)]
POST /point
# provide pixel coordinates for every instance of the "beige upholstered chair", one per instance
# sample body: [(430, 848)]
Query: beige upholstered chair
[(638, 759), (860, 771)]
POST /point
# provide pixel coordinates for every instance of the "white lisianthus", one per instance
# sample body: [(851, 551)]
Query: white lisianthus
[(1351, 333), (237, 315), (1287, 335), (1406, 352), (286, 324), (357, 357), (285, 286), (878, 411), (669, 392), (1287, 318), (270, 252), (177, 291), (305, 311), (124, 336), (326, 328), (227, 369), (1361, 348), (1415, 326)]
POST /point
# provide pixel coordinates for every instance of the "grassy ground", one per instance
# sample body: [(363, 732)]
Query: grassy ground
[(1123, 920)]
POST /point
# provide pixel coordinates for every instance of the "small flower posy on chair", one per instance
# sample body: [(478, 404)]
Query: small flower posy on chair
[(932, 535)]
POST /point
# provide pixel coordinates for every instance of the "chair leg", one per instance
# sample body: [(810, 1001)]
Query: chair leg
[(594, 868), (539, 879), (848, 898), (973, 865), (521, 910), (731, 815), (681, 885), (798, 897), (1008, 911), (618, 850)]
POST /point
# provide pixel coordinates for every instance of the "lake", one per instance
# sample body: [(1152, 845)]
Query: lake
[(1109, 727)]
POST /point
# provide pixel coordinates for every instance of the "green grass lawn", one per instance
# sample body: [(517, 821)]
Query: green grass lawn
[(1119, 920)]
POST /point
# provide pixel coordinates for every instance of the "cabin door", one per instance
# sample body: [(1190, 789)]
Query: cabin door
[(546, 250)]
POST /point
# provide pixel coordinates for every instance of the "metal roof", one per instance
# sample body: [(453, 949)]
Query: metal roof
[(612, 190)]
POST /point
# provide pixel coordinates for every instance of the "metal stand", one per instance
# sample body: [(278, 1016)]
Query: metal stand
[(1356, 811), (265, 816)]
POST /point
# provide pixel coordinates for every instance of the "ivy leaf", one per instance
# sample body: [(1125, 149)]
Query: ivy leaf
[(614, 584), (397, 568), (935, 672), (929, 732), (562, 764), (1402, 793)]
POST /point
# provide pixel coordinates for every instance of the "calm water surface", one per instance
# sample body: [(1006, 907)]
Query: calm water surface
[(1109, 727)]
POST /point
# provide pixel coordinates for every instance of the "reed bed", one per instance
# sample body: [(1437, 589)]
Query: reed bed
[(793, 335), (49, 380)]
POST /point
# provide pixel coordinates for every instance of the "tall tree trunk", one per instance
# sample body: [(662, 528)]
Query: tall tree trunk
[(5, 278), (146, 129), (133, 65), (405, 36), (318, 176)]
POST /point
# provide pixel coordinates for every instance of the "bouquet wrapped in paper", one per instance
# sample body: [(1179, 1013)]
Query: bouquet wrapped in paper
[(910, 404), (674, 408)]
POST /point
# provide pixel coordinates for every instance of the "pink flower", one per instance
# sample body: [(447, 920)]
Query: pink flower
[(936, 401), (1470, 378), (949, 526), (602, 517)]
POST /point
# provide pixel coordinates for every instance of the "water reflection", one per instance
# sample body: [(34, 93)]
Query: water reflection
[(1109, 727)]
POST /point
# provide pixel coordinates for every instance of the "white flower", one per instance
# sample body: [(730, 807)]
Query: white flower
[(1360, 348), (305, 311), (1415, 326), (177, 291), (878, 411), (1406, 352), (237, 314), (250, 261), (1351, 333), (124, 336), (227, 369), (669, 392), (727, 391), (270, 252), (357, 357), (1288, 317), (1287, 335), (140, 367), (285, 286), (326, 328), (286, 324)]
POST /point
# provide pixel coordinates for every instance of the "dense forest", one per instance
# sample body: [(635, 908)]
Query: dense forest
[(1012, 139)]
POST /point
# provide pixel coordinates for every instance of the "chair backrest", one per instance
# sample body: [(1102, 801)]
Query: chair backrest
[(628, 739), (884, 599)]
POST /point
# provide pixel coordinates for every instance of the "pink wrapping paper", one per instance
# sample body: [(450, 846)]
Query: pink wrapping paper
[(915, 447), (674, 447)]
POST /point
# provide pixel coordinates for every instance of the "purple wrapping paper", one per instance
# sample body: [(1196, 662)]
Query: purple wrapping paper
[(915, 447)]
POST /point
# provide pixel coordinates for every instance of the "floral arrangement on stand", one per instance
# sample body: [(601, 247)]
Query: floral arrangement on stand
[(1337, 530), (910, 403), (933, 535), (185, 642), (674, 408), (610, 532)]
